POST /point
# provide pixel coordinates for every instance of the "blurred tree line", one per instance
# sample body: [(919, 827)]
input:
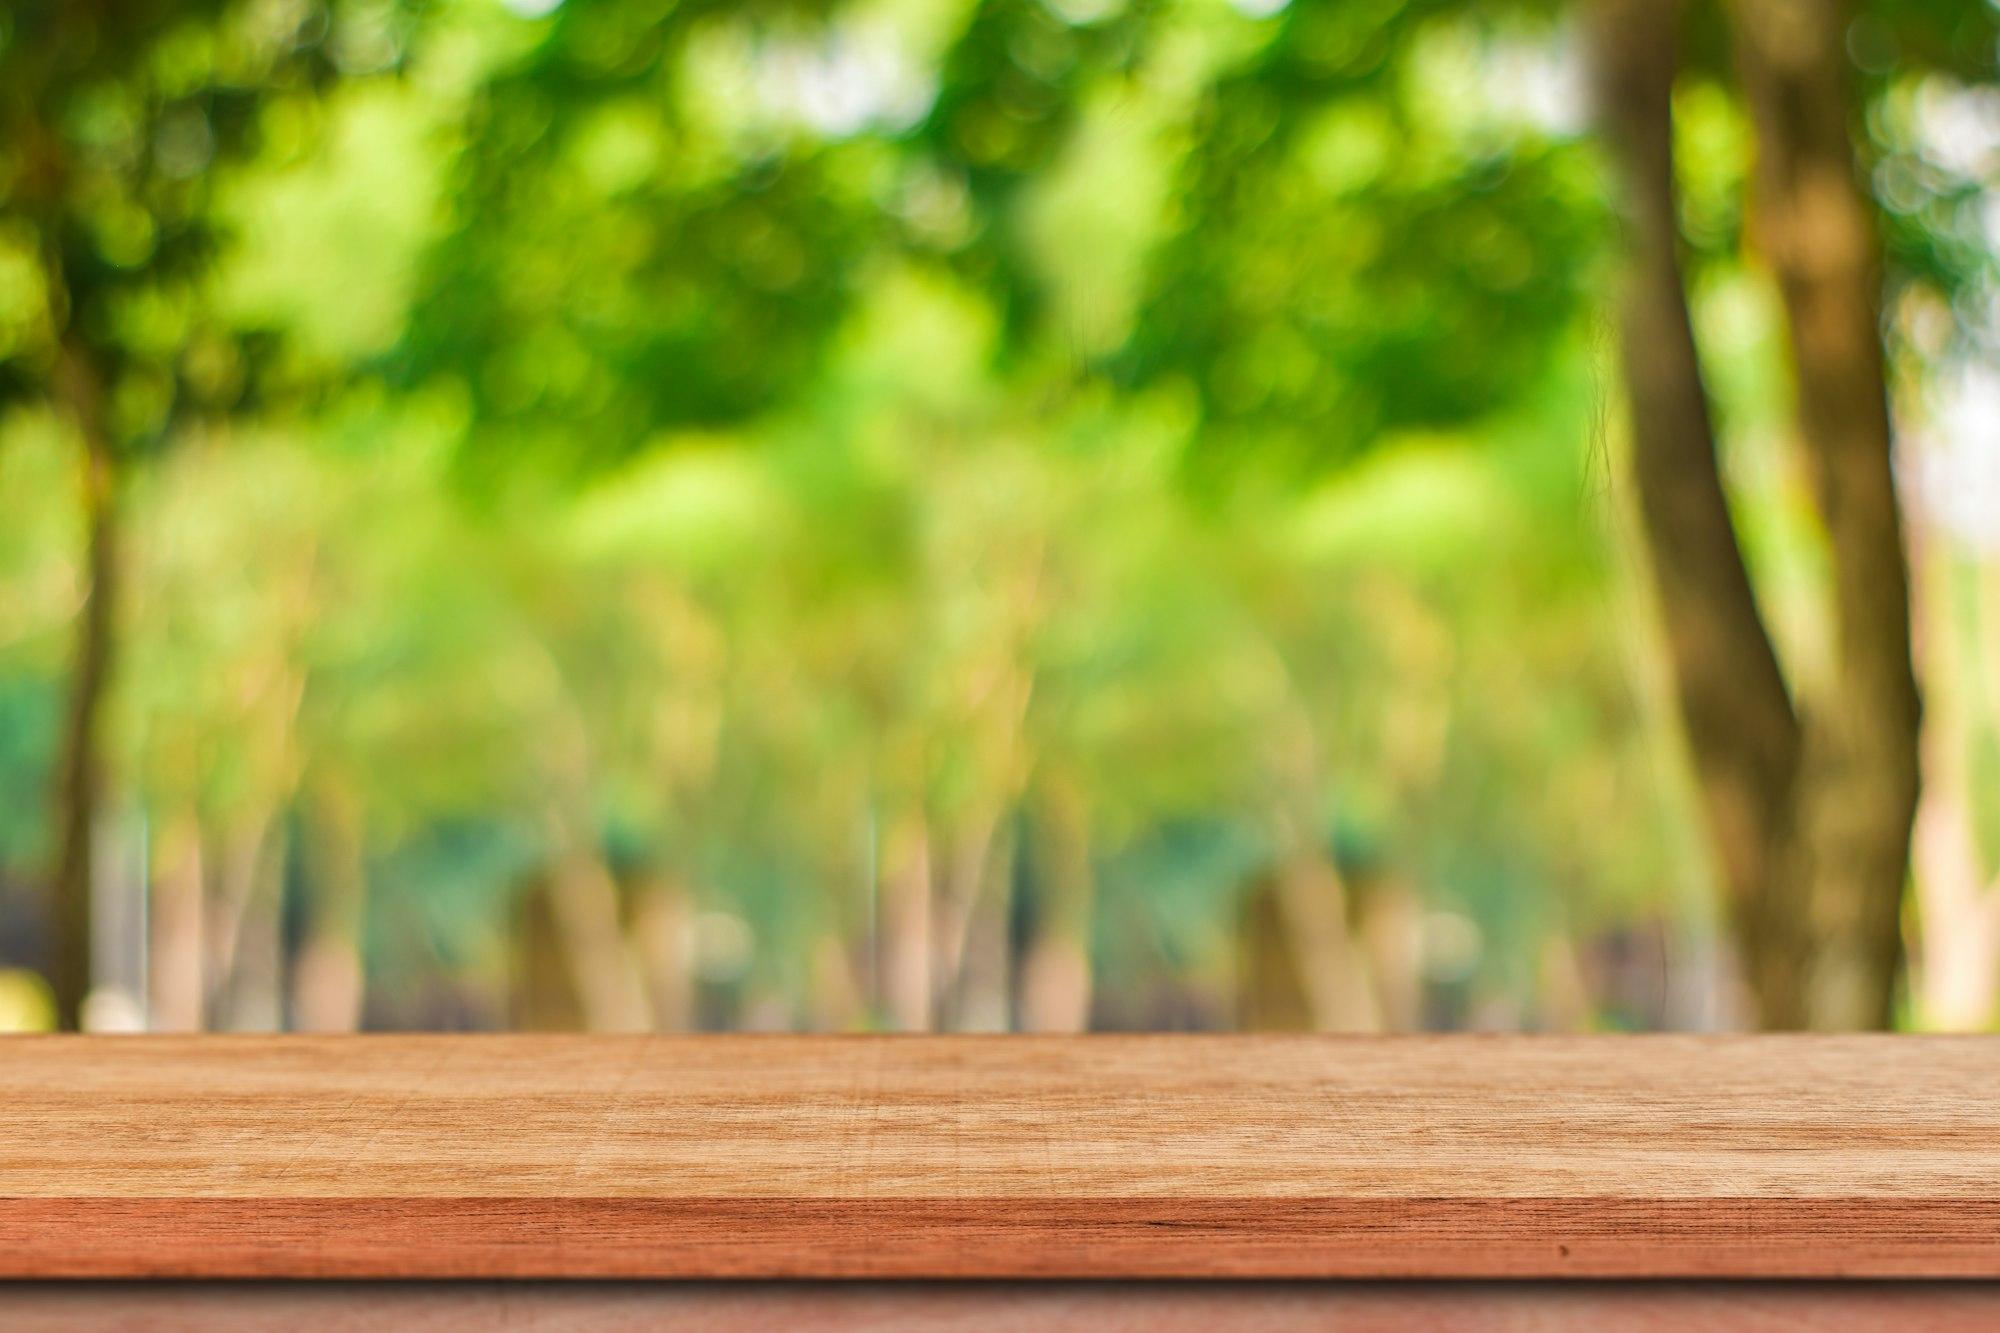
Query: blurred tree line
[(987, 513)]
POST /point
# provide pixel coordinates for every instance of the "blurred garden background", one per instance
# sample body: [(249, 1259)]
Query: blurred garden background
[(999, 514)]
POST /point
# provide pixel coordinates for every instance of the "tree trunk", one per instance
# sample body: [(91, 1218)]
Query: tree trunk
[(1735, 711), (978, 994), (1390, 932), (1808, 811), (584, 905), (1817, 229), (1055, 975), (1298, 965), (327, 985), (542, 994), (242, 939), (959, 893), (79, 775), (1563, 1001), (1956, 975), (1960, 912), (1271, 994), (252, 999), (663, 938), (1312, 903), (903, 955), (177, 947), (836, 1001)]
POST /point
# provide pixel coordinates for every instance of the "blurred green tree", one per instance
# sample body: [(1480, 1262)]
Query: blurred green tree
[(115, 120)]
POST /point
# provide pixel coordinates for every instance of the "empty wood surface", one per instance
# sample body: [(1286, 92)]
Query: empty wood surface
[(1148, 1156)]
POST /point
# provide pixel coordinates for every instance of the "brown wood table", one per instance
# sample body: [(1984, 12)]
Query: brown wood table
[(1128, 1158), (999, 1157)]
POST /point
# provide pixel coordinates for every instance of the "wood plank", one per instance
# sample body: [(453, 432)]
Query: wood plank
[(1001, 1307), (1143, 1156)]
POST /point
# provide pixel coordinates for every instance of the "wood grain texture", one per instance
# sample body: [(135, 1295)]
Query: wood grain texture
[(524, 1156), (1000, 1307)]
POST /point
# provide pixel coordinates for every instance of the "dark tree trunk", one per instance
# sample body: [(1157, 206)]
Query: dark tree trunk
[(1808, 809), (1816, 228), (1742, 734), (1270, 994), (79, 777), (543, 994)]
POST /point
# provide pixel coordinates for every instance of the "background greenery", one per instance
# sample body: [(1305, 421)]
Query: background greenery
[(923, 512)]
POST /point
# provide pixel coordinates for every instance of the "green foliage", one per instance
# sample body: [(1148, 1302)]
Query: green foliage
[(1355, 228), (115, 123), (642, 237), (890, 414)]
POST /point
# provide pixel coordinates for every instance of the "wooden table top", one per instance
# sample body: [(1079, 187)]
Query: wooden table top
[(1109, 1156)]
